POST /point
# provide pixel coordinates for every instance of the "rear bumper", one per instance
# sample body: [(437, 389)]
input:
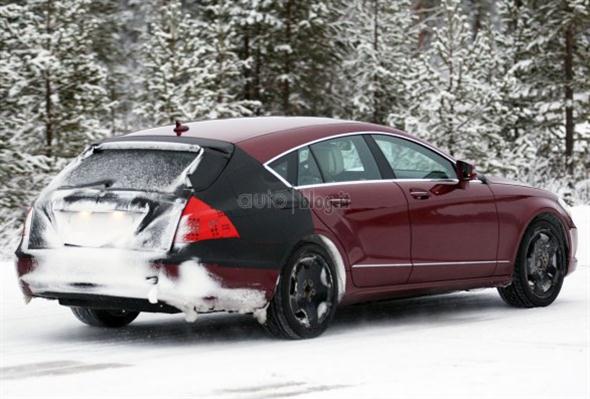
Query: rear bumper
[(120, 279), (110, 302)]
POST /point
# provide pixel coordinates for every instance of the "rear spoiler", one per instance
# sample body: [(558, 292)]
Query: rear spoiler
[(172, 143), (213, 154)]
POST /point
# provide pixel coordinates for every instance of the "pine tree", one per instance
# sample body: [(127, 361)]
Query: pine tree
[(454, 89), (53, 97), (381, 46), (60, 92), (547, 44), (254, 21), (190, 69), (303, 56), (221, 62)]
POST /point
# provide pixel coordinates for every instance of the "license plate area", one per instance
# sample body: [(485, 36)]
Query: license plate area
[(97, 229)]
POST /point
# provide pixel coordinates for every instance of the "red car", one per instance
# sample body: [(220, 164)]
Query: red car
[(285, 218)]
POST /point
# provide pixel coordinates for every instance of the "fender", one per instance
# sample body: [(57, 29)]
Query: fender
[(517, 207)]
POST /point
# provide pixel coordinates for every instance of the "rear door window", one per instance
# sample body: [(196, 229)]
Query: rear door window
[(345, 159), (309, 173), (130, 169)]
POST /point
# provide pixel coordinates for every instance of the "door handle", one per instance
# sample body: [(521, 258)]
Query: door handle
[(419, 194), (339, 202)]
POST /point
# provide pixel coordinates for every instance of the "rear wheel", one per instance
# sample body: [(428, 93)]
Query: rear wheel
[(305, 300), (103, 317), (540, 266)]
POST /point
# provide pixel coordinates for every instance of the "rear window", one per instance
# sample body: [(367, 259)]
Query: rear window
[(132, 169)]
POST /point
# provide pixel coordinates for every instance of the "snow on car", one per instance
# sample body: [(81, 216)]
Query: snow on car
[(284, 218)]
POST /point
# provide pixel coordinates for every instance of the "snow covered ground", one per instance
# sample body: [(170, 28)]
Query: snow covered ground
[(459, 345)]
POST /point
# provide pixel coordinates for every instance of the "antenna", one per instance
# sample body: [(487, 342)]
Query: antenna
[(180, 128)]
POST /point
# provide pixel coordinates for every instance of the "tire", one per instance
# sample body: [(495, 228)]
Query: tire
[(540, 265), (306, 297), (104, 318)]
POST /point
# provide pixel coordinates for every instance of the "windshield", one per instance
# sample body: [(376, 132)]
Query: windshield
[(132, 169)]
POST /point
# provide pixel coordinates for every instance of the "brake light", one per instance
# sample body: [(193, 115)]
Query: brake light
[(201, 222)]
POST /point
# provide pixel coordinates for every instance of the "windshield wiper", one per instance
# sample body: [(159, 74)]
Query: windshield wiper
[(105, 183)]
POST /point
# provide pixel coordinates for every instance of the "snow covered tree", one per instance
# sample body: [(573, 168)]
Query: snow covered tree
[(303, 56), (225, 81), (190, 71), (453, 89), (381, 46), (170, 58), (53, 97), (548, 50), (60, 88), (253, 21)]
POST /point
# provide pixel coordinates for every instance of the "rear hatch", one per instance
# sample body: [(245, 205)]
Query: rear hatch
[(127, 195)]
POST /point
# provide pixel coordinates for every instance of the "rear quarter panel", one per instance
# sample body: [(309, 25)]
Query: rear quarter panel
[(518, 206)]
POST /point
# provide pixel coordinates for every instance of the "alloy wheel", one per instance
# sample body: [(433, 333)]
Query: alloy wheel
[(311, 291)]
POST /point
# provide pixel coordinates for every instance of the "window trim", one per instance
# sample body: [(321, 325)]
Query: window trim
[(363, 134)]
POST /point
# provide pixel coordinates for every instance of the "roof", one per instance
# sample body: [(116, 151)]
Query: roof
[(265, 137), (235, 130)]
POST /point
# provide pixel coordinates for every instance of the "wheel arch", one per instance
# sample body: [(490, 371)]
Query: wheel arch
[(552, 216), (333, 249)]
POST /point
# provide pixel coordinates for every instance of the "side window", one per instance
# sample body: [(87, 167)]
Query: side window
[(413, 161), (345, 159), (308, 168), (286, 167)]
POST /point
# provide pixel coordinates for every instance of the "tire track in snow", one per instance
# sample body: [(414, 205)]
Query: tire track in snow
[(53, 368)]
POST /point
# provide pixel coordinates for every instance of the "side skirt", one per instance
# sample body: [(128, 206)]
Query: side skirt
[(419, 289)]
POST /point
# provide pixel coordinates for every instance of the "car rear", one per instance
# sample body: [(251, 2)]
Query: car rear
[(133, 223)]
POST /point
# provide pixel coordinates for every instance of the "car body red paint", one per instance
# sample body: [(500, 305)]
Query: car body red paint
[(395, 237)]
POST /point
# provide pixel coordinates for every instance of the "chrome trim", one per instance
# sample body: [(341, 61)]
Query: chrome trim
[(363, 265), (478, 262), (439, 181), (267, 163), (271, 170), (338, 183)]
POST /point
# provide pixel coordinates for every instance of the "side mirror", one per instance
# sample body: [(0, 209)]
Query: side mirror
[(465, 171)]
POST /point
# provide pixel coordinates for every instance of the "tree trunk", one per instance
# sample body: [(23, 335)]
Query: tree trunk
[(569, 97), (287, 67), (477, 4), (420, 7), (247, 70), (48, 88), (376, 105)]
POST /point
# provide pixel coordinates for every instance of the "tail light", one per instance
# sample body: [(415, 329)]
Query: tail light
[(201, 222)]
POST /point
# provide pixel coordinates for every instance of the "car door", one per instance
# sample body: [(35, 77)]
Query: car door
[(454, 223), (369, 216)]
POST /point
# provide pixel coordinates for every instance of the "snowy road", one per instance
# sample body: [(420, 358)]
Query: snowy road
[(458, 345)]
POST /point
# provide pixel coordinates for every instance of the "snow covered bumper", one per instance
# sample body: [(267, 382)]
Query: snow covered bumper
[(131, 277)]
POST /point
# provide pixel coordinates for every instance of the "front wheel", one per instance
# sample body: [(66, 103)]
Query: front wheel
[(305, 299), (103, 317), (540, 266)]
